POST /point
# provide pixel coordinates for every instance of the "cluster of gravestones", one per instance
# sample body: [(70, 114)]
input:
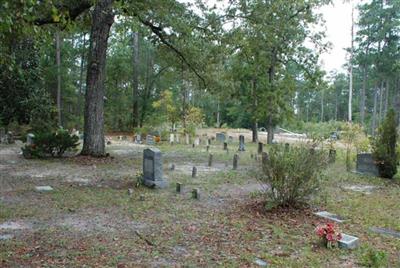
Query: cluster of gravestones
[(6, 137)]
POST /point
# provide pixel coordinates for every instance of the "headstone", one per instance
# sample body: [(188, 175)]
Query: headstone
[(330, 216), (208, 148), (138, 138), (287, 147), (220, 137), (230, 138), (225, 146), (130, 191), (209, 141), (43, 188), (385, 231), (235, 161), (366, 164), (153, 168), (195, 194), (193, 145), (332, 155), (197, 141), (348, 241), (29, 139), (2, 135), (264, 158), (150, 140), (178, 187), (260, 147), (172, 167), (210, 159), (10, 138), (141, 197), (260, 262), (241, 143), (171, 138), (194, 172), (187, 139)]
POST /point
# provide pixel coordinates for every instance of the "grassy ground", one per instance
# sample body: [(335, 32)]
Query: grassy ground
[(90, 220)]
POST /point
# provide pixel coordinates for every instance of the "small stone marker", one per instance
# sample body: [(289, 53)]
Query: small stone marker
[(29, 139), (330, 216), (348, 241), (194, 172), (235, 161), (172, 167), (171, 138), (241, 143), (44, 188), (138, 139), (152, 168), (195, 193), (130, 191), (225, 146), (178, 187), (210, 159), (260, 147), (287, 147), (150, 140), (332, 155), (208, 148), (209, 141), (141, 197), (366, 165), (220, 137), (385, 231), (260, 262)]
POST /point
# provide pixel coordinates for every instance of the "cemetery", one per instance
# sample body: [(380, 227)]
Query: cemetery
[(199, 133)]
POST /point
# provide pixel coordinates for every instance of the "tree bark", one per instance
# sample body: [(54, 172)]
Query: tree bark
[(381, 90), (102, 19), (362, 96), (80, 94), (373, 124), (387, 94), (255, 121), (322, 106), (135, 80), (58, 63)]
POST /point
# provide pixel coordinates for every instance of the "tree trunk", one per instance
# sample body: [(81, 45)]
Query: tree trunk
[(373, 124), (80, 94), (148, 87), (270, 126), (322, 106), (351, 68), (381, 90), (58, 63), (135, 80), (255, 121), (102, 19), (362, 96), (386, 98)]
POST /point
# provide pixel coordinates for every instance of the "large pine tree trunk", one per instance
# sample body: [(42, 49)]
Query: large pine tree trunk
[(58, 63), (135, 80), (102, 19), (81, 72), (362, 96), (255, 121), (374, 113)]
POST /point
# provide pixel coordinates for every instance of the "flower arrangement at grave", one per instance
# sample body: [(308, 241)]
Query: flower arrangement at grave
[(329, 233)]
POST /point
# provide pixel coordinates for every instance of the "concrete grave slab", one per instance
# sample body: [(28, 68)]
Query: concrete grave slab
[(385, 231), (330, 216), (348, 241)]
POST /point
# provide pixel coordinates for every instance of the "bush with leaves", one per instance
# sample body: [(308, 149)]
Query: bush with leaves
[(50, 144), (384, 146), (293, 174)]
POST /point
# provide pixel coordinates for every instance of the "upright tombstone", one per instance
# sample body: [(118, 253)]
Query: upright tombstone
[(187, 139), (366, 165), (138, 138), (220, 137), (332, 155), (171, 138), (194, 172), (225, 146), (29, 139), (150, 140), (153, 168), (260, 147), (241, 143), (210, 159), (209, 141), (197, 141), (235, 161)]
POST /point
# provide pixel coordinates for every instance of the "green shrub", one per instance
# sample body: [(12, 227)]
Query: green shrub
[(293, 174), (50, 144), (384, 146)]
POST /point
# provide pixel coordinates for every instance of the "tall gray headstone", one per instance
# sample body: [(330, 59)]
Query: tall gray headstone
[(29, 139), (153, 168), (171, 138), (220, 137), (366, 164), (150, 140), (241, 143), (260, 147), (235, 161)]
